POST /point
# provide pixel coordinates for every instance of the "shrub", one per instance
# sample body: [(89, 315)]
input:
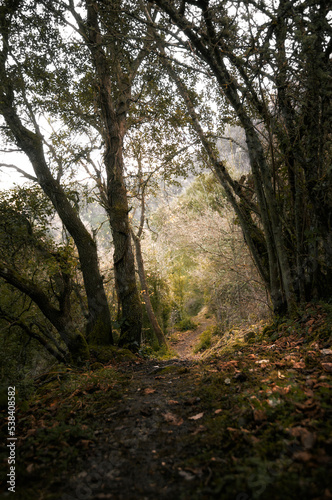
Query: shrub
[(185, 324)]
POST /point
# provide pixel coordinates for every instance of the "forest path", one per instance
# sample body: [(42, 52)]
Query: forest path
[(243, 424), (183, 343)]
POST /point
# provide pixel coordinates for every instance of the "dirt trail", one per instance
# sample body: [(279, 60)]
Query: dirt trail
[(185, 428), (185, 342)]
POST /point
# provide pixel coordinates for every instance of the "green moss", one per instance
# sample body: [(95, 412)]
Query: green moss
[(79, 349), (205, 341), (106, 354), (170, 369), (98, 335), (250, 336)]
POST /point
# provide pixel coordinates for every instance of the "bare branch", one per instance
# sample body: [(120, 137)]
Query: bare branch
[(20, 171)]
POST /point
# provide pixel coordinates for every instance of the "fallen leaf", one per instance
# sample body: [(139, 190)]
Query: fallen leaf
[(30, 468), (172, 419), (262, 361), (218, 411), (280, 375), (172, 402), (148, 390), (308, 439), (322, 384), (307, 405), (326, 351), (299, 365), (200, 428), (327, 367), (84, 443), (260, 415), (227, 381), (186, 475), (196, 417)]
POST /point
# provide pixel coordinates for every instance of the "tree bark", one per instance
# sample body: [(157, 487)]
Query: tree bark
[(99, 329), (113, 119), (145, 293)]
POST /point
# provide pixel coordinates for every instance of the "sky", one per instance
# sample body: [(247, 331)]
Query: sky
[(9, 176)]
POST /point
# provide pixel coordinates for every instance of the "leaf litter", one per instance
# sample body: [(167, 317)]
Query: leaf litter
[(267, 432)]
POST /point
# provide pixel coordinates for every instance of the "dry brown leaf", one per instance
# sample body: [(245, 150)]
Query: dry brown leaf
[(172, 402), (84, 443), (148, 390), (30, 468), (200, 428), (196, 417), (326, 352), (327, 367), (260, 415), (300, 365), (172, 419), (308, 439), (218, 411), (309, 404)]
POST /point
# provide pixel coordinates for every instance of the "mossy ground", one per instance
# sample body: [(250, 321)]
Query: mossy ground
[(250, 421)]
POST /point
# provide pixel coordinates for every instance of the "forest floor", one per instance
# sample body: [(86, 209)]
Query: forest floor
[(249, 419)]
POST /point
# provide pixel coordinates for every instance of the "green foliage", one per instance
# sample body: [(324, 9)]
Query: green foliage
[(185, 324), (40, 263), (207, 260), (205, 342)]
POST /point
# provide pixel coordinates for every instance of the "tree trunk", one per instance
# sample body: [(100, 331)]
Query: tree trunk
[(113, 113), (72, 337), (124, 263), (145, 293), (99, 329)]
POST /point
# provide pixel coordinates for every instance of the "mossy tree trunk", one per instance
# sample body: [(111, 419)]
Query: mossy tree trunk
[(99, 329), (59, 317), (113, 119)]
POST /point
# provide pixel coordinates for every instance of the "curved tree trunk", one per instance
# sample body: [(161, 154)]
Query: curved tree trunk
[(99, 329), (71, 336)]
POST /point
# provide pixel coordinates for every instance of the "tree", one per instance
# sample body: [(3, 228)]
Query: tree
[(127, 97), (136, 236), (22, 129), (270, 62), (206, 258), (39, 276)]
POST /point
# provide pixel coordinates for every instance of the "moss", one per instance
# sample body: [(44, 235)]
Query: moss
[(98, 335), (79, 349), (250, 336), (106, 354), (170, 369), (205, 341)]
